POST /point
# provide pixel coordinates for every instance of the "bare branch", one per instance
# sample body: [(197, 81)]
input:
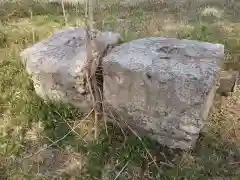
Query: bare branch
[(92, 66)]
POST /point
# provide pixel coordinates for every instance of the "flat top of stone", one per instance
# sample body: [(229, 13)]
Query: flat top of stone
[(65, 49), (169, 57)]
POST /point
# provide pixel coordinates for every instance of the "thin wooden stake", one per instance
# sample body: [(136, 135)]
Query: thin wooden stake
[(92, 66), (33, 31), (64, 13)]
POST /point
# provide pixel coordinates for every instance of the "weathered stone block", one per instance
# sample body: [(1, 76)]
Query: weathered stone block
[(56, 63), (228, 80), (236, 88), (163, 86), (160, 86)]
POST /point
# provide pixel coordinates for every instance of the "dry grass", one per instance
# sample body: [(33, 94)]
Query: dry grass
[(27, 124), (225, 119)]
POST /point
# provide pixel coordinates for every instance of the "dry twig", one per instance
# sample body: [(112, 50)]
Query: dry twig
[(91, 68), (121, 170), (55, 142)]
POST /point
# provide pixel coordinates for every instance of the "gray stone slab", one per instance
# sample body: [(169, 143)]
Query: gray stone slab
[(165, 85)]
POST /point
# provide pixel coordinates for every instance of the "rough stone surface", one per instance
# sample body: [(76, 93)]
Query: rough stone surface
[(55, 65), (237, 83), (236, 88), (163, 86), (228, 80)]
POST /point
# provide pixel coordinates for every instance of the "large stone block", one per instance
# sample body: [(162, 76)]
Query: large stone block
[(163, 86), (55, 65), (160, 86)]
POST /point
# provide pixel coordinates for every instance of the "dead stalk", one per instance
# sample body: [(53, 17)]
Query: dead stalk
[(94, 106), (92, 65), (146, 149), (33, 32), (64, 13), (124, 167), (103, 113), (55, 142), (140, 139), (112, 116)]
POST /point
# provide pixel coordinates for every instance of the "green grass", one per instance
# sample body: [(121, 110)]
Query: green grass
[(28, 123)]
